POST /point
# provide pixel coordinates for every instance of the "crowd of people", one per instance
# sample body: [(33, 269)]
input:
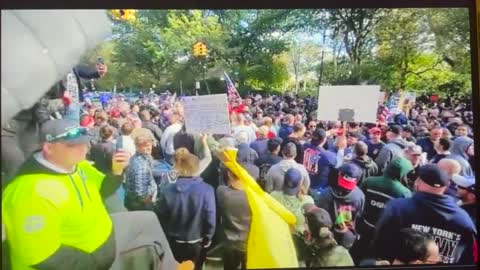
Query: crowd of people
[(397, 192)]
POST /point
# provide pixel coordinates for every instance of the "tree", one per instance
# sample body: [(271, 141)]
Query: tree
[(355, 26)]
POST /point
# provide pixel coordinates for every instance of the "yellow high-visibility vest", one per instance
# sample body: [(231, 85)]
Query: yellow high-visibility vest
[(41, 212)]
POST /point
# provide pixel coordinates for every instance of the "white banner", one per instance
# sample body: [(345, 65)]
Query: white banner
[(351, 103), (207, 114)]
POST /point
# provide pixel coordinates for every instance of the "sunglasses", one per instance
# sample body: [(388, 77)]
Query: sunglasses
[(70, 134)]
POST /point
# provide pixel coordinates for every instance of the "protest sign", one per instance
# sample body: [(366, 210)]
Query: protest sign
[(206, 114), (351, 103)]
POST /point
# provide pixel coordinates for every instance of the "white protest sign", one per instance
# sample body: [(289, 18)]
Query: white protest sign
[(351, 103), (207, 114)]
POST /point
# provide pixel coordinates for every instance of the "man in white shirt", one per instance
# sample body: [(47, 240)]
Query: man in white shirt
[(240, 126), (167, 137)]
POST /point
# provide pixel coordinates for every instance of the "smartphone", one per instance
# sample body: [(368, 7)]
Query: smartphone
[(119, 144), (100, 60)]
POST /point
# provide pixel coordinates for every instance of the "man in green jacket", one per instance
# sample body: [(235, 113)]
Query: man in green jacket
[(378, 191)]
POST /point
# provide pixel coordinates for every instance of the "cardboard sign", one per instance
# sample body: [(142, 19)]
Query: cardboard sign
[(207, 114), (351, 103)]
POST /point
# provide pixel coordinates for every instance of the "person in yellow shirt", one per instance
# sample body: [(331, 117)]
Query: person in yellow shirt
[(54, 215)]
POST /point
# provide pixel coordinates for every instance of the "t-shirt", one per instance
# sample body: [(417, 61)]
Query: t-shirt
[(294, 204)]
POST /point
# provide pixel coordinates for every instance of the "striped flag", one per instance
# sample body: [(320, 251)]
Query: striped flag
[(383, 114), (231, 90)]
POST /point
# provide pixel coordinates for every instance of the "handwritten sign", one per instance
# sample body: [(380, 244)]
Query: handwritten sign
[(351, 103), (207, 114)]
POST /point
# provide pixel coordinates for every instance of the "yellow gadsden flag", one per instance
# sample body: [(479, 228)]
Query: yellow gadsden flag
[(270, 243)]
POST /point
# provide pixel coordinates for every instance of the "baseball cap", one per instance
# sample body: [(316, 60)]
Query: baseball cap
[(320, 215), (291, 185), (467, 183), (63, 130), (289, 150), (395, 129), (348, 176), (409, 129), (375, 130), (432, 175), (86, 120)]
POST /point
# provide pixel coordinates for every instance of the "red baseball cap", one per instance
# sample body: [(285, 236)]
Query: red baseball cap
[(115, 113), (86, 121), (375, 130)]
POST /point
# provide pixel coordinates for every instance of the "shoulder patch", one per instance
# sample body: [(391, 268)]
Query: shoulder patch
[(33, 224)]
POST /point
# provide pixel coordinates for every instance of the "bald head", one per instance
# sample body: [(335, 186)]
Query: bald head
[(450, 166)]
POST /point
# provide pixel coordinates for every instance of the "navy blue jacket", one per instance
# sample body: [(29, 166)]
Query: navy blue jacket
[(374, 149), (427, 147), (437, 215), (319, 164), (186, 210)]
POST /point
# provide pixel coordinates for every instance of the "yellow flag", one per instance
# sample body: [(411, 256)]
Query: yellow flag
[(270, 243)]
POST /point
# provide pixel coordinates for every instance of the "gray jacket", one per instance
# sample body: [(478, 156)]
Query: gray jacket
[(390, 151), (276, 175), (459, 153)]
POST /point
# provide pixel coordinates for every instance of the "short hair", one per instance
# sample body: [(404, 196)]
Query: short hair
[(103, 116), (106, 132), (360, 149), (273, 144), (289, 118), (411, 245), (145, 115), (445, 143), (127, 129), (267, 121), (298, 127), (242, 137), (143, 140)]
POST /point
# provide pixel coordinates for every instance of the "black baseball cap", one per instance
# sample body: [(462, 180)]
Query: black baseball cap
[(395, 129), (432, 175)]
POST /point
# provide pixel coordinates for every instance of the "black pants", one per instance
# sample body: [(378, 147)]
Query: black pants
[(233, 258), (185, 252)]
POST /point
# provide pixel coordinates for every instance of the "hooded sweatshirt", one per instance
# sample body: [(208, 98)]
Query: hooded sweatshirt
[(59, 218), (390, 151), (344, 211), (379, 191), (276, 175), (186, 210), (437, 215), (459, 153), (368, 166)]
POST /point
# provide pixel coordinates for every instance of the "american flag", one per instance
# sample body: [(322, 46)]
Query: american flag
[(383, 114), (231, 90)]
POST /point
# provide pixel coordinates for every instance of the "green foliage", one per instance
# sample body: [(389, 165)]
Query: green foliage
[(425, 50)]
